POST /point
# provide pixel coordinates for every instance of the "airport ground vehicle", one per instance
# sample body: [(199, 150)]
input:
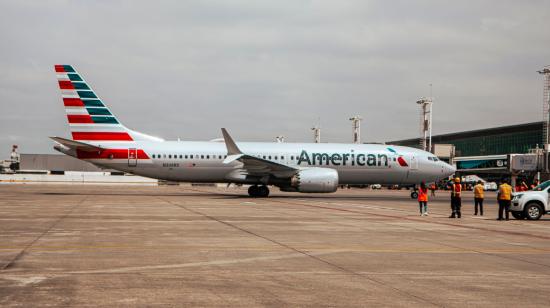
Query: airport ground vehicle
[(490, 186), (531, 204)]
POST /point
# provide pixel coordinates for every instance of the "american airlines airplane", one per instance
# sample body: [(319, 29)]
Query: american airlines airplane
[(100, 138)]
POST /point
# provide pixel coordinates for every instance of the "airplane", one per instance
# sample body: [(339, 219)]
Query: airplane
[(98, 137)]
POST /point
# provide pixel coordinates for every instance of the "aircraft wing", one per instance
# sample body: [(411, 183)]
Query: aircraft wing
[(253, 165), (76, 144)]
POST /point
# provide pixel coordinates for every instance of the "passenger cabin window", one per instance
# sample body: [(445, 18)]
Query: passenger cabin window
[(202, 156)]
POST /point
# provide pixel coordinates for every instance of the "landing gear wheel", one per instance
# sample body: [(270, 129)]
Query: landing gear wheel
[(533, 211), (258, 191), (414, 195), (253, 191), (518, 215), (263, 191)]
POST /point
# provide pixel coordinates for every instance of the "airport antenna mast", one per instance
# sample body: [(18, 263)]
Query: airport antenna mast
[(545, 105), (426, 121), (356, 128), (316, 133)]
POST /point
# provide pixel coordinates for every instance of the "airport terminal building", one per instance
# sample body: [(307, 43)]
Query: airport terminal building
[(491, 152), (502, 140)]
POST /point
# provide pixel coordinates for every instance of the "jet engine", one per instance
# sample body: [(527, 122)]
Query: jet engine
[(313, 180)]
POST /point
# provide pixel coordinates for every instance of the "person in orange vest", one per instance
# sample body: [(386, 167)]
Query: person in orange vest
[(432, 189), (456, 201), (479, 195), (423, 199), (504, 197), (524, 186)]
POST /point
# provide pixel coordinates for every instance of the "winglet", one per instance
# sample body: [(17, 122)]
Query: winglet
[(232, 148)]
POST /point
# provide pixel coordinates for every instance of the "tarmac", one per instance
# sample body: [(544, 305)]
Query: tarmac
[(85, 245)]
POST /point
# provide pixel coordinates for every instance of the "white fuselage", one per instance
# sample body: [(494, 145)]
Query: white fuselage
[(187, 161)]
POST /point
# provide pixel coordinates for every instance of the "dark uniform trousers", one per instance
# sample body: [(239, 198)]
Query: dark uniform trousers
[(456, 204), (504, 206), (478, 202)]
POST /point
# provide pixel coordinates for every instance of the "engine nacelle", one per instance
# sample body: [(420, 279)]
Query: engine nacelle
[(314, 180)]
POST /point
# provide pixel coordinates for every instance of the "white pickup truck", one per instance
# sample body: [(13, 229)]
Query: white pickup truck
[(531, 204)]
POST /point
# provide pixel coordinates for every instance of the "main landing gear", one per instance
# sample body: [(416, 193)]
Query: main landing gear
[(258, 191)]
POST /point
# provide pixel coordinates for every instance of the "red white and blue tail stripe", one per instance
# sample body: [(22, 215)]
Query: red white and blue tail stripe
[(89, 118)]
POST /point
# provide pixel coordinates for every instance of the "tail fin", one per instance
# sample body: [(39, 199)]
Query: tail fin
[(89, 118)]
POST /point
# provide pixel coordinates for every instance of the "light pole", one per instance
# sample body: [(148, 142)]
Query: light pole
[(426, 123), (356, 128), (316, 134), (546, 104)]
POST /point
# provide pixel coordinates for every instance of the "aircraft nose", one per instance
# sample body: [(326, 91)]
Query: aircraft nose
[(449, 170)]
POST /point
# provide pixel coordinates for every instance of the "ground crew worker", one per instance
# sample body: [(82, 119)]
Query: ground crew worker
[(524, 186), (478, 198), (504, 198), (432, 189), (456, 201), (423, 199)]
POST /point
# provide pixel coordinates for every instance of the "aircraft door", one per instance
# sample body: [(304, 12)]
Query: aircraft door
[(132, 157), (414, 163)]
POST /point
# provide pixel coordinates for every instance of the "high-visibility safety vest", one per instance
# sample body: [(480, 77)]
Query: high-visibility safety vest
[(423, 195), (457, 189), (505, 192), (478, 191)]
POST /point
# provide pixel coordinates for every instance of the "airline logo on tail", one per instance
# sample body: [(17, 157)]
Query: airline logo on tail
[(89, 119)]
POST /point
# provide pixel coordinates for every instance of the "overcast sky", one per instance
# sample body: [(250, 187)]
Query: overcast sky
[(183, 69)]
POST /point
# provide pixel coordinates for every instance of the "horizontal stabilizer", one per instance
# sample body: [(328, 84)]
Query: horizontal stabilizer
[(76, 144)]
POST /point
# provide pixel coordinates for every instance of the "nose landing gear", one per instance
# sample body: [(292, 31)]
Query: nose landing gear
[(258, 191)]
